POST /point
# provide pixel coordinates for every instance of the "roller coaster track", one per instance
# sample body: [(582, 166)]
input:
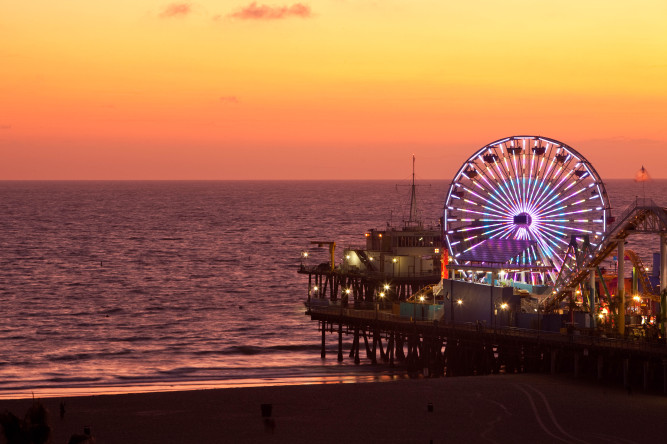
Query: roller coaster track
[(643, 216)]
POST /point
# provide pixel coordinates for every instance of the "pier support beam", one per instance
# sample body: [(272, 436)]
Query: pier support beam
[(355, 346), (323, 353), (554, 356), (340, 342), (663, 284), (390, 349), (620, 290), (592, 295)]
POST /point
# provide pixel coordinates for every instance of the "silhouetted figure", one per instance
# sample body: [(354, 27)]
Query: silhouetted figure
[(86, 438), (62, 410)]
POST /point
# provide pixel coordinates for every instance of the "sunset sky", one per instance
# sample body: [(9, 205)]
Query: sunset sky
[(324, 89)]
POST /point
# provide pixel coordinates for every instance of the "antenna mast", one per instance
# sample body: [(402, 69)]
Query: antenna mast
[(413, 196)]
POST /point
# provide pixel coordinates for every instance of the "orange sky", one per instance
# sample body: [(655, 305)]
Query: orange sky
[(324, 89)]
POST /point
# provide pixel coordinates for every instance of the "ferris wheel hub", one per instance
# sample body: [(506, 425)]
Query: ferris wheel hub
[(523, 219)]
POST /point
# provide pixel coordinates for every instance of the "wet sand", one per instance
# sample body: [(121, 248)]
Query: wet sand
[(498, 409)]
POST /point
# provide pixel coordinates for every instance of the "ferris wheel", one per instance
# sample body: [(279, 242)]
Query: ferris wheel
[(525, 188)]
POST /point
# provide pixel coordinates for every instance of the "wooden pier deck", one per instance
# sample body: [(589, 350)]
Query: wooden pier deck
[(437, 349)]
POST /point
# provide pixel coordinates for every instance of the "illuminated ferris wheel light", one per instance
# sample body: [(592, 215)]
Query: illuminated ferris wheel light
[(524, 188)]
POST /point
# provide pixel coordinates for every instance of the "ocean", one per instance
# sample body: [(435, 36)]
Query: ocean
[(133, 286)]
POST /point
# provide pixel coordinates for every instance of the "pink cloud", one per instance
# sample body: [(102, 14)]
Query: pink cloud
[(229, 99), (265, 12), (176, 10)]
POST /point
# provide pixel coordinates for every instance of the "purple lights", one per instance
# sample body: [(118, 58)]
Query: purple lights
[(525, 188), (523, 219)]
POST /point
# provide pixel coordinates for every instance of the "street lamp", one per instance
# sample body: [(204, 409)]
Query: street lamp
[(504, 306), (378, 302)]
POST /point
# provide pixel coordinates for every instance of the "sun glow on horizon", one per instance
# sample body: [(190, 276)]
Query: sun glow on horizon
[(318, 89)]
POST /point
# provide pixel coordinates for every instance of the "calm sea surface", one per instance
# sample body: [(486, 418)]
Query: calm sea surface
[(121, 286)]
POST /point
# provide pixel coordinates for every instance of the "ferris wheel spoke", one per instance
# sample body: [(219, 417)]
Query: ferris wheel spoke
[(579, 230), (545, 209), (491, 234), (498, 210), (489, 193), (543, 243), (542, 192), (547, 200), (585, 210), (565, 228), (498, 185), (499, 232), (555, 241), (514, 181)]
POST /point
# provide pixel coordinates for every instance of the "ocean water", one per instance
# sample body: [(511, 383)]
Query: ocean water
[(123, 286)]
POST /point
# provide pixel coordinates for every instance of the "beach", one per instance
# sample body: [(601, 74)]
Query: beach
[(496, 408)]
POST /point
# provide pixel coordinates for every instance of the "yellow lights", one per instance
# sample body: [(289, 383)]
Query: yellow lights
[(436, 251), (636, 298), (382, 294), (601, 316), (578, 292), (504, 306), (315, 288), (371, 258), (460, 301), (421, 298), (646, 268), (394, 260), (386, 287), (348, 291), (304, 254), (347, 256), (380, 235), (367, 234)]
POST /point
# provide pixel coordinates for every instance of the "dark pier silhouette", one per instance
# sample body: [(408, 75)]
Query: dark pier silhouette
[(434, 349)]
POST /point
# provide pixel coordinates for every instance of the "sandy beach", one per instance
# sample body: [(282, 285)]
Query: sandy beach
[(499, 409)]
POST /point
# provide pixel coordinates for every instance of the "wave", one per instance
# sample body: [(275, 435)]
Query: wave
[(251, 350), (73, 379), (112, 310), (88, 356)]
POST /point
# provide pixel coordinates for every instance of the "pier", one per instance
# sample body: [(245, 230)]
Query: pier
[(511, 280), (434, 349)]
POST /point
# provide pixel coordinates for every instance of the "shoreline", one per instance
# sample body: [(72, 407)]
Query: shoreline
[(496, 408), (349, 375)]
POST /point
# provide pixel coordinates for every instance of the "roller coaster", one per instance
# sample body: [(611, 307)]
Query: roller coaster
[(642, 216)]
